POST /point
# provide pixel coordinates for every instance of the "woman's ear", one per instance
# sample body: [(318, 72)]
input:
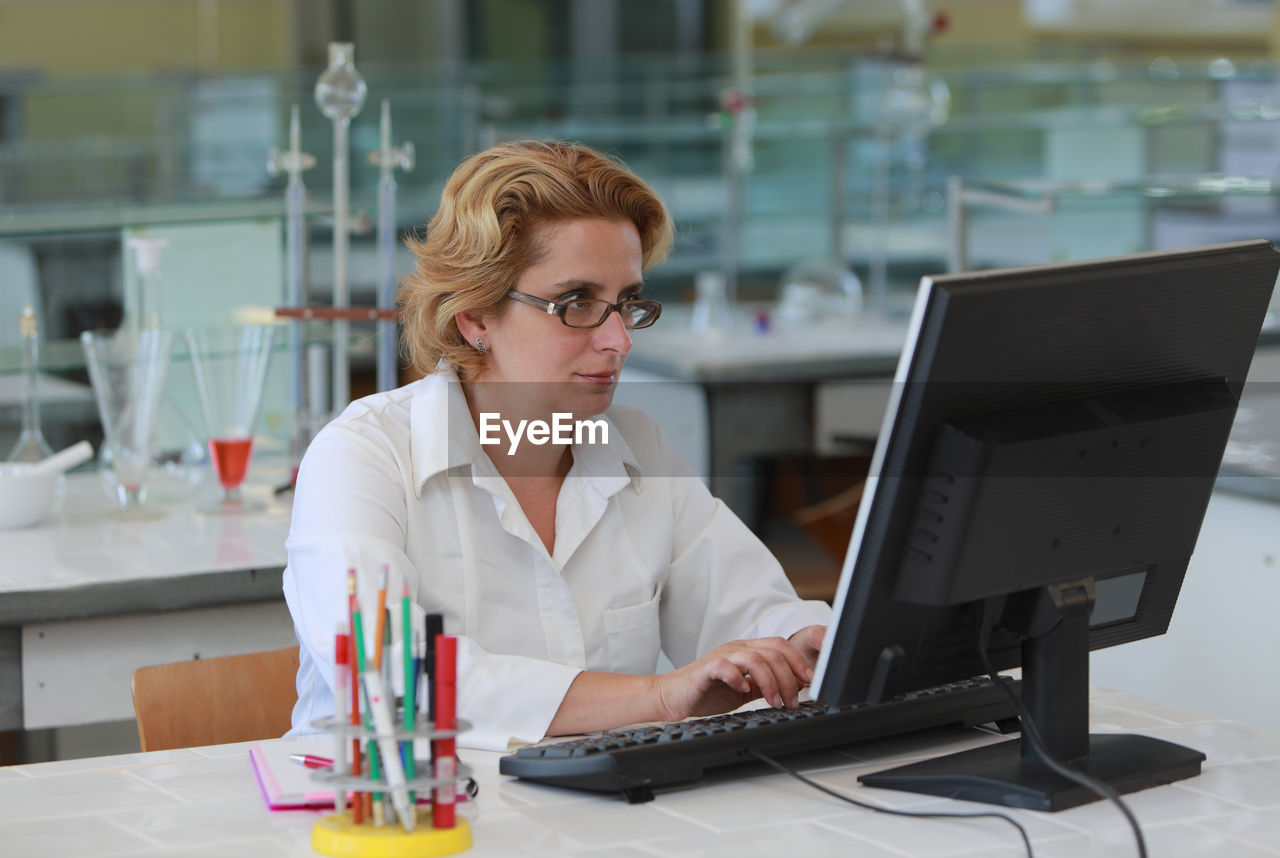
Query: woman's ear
[(470, 325)]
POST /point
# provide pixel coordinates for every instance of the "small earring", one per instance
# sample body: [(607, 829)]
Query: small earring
[(480, 346)]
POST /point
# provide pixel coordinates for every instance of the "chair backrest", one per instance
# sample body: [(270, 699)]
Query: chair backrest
[(210, 701)]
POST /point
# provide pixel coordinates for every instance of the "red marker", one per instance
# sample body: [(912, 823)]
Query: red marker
[(445, 678)]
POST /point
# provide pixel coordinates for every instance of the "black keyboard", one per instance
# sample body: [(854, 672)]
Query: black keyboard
[(634, 760)]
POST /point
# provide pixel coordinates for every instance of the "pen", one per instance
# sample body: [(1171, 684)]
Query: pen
[(410, 711), (341, 679), (442, 750), (435, 627), (375, 693), (312, 761)]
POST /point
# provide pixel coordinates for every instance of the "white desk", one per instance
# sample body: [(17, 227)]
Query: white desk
[(88, 595), (205, 802)]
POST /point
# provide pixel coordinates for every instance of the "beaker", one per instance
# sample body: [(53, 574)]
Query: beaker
[(230, 366), (127, 371), (712, 312)]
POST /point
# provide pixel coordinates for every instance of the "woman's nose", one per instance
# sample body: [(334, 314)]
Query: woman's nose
[(612, 334)]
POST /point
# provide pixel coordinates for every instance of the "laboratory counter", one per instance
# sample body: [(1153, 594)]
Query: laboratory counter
[(90, 593)]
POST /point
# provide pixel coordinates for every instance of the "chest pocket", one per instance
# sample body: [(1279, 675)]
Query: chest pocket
[(633, 636)]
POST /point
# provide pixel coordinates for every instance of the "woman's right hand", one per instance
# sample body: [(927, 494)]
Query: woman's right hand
[(733, 674)]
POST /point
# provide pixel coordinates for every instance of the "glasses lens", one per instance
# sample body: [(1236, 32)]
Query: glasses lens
[(640, 313), (589, 312), (585, 313)]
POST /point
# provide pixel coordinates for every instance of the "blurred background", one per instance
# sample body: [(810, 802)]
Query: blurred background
[(819, 156), (870, 142)]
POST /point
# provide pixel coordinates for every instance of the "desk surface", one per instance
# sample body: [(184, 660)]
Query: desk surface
[(205, 801), (86, 560)]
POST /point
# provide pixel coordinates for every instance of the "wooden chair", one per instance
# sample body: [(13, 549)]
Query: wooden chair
[(210, 701), (831, 521)]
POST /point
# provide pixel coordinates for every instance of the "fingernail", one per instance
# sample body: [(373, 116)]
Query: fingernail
[(808, 674)]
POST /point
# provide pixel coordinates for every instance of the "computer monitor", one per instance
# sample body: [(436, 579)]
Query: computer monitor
[(1046, 459)]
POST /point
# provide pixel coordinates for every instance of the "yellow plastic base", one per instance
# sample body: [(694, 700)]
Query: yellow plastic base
[(337, 835)]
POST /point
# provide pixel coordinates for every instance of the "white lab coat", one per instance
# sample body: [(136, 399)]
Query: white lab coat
[(645, 558)]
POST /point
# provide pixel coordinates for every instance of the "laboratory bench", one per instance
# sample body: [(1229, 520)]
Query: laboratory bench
[(730, 397), (206, 801), (90, 593)]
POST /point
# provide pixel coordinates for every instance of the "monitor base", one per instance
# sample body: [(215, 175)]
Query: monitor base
[(999, 774)]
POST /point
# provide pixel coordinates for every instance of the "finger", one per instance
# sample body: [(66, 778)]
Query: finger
[(771, 671), (796, 663), (724, 670)]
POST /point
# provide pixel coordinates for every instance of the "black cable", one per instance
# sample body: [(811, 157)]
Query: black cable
[(1032, 732), (785, 769)]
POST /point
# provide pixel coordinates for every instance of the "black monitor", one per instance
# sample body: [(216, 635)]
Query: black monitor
[(1045, 463)]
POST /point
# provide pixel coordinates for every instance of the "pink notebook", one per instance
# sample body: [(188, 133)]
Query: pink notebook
[(285, 784), (289, 786)]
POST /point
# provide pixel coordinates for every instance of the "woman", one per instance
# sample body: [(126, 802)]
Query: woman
[(564, 569)]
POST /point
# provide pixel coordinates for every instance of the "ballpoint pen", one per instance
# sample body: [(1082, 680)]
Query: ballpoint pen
[(311, 761)]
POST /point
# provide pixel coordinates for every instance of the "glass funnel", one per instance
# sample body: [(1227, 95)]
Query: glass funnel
[(127, 371), (230, 366)]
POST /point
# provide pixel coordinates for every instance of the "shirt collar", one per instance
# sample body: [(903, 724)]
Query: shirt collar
[(444, 437), (442, 434)]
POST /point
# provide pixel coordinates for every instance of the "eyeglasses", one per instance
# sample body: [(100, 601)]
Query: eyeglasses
[(591, 312)]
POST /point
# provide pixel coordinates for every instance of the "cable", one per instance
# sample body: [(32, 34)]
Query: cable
[(785, 769), (1032, 732)]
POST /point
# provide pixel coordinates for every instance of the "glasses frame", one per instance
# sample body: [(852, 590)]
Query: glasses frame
[(551, 308)]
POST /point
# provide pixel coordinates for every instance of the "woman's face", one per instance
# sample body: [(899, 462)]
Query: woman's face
[(560, 368)]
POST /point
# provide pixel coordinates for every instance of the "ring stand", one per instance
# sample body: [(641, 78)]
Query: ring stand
[(337, 834)]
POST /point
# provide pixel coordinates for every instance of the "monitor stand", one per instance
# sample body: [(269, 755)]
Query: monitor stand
[(1055, 690)]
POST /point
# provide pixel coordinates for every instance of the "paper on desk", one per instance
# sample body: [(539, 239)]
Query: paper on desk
[(289, 786), (285, 784)]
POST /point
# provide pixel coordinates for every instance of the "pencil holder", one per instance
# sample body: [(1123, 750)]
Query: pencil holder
[(339, 834)]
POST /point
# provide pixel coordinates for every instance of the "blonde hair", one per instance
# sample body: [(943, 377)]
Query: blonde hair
[(482, 237)]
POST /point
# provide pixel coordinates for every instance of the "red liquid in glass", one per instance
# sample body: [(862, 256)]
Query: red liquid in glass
[(230, 459)]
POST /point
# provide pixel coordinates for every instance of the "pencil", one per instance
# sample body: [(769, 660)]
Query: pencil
[(381, 618)]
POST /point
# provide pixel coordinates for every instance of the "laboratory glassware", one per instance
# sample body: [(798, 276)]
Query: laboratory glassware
[(142, 301), (127, 372), (388, 157), (297, 290), (340, 93), (230, 367), (31, 445)]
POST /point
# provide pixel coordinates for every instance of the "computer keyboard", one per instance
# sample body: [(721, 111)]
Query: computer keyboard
[(634, 760)]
